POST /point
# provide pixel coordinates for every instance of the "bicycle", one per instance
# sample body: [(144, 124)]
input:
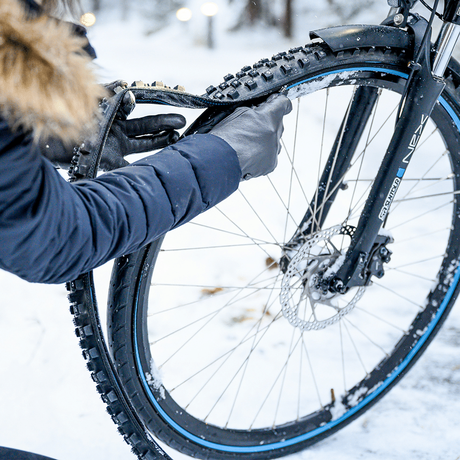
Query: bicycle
[(334, 301)]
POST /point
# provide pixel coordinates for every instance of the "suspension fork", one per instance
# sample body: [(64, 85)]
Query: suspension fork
[(423, 90)]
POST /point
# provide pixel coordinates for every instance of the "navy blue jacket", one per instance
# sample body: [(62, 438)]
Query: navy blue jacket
[(51, 230)]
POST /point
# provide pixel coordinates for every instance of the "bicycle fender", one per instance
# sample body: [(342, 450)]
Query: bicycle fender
[(343, 38)]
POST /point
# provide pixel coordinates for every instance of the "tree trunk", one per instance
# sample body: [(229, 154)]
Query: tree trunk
[(254, 10), (96, 5), (287, 23)]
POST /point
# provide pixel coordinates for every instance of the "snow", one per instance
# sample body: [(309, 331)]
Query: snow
[(48, 402), (154, 378), (316, 85)]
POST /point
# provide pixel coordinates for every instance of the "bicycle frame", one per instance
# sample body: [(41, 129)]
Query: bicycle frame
[(423, 88)]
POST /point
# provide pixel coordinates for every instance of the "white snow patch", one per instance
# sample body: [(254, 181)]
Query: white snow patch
[(356, 396), (385, 232), (154, 379), (375, 387), (420, 332), (332, 270), (451, 270), (315, 85), (338, 409)]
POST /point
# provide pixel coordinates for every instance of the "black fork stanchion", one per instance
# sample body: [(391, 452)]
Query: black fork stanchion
[(423, 91)]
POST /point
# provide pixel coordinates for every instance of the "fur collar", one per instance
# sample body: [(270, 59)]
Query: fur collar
[(47, 84)]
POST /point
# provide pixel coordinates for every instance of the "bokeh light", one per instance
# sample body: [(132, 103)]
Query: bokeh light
[(88, 19), (209, 9), (184, 14)]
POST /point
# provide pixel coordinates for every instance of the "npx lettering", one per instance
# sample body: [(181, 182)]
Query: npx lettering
[(415, 138), (394, 187)]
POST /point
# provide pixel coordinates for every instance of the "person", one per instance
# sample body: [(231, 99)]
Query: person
[(52, 230)]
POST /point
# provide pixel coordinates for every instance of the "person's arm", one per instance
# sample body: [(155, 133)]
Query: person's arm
[(51, 231)]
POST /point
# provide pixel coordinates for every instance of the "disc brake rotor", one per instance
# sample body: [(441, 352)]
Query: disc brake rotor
[(303, 301)]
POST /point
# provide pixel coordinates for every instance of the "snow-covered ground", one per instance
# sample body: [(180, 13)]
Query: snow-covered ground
[(48, 402)]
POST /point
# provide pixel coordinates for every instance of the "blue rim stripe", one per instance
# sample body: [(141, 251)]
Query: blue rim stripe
[(365, 401)]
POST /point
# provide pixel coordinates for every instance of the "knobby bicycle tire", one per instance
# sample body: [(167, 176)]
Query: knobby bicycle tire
[(300, 72)]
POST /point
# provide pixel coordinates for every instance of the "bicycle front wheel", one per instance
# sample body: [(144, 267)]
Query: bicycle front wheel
[(224, 351)]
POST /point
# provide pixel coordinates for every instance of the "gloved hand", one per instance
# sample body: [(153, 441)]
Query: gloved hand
[(255, 134), (125, 137), (139, 135)]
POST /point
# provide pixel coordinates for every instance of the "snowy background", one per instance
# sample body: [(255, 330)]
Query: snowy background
[(48, 402)]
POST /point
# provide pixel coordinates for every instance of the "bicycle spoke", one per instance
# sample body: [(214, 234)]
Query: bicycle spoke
[(398, 294), (356, 349), (413, 274), (221, 246), (296, 175), (342, 353), (253, 347), (230, 233), (283, 379), (366, 336), (273, 385), (229, 352), (304, 345), (235, 375), (424, 197), (281, 199), (423, 235), (212, 315), (226, 388), (355, 160), (258, 217), (221, 308), (299, 388), (420, 215), (209, 286), (213, 286), (239, 228), (381, 319), (418, 262), (292, 168)]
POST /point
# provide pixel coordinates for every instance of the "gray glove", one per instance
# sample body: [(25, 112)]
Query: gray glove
[(255, 134)]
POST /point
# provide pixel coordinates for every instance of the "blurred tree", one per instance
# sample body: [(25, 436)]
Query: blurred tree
[(124, 9), (96, 6), (160, 12), (346, 10), (254, 12), (287, 20), (277, 13)]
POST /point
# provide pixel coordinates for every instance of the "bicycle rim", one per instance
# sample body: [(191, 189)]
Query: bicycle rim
[(220, 366)]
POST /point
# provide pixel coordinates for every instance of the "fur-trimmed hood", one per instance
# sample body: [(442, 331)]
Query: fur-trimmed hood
[(47, 83)]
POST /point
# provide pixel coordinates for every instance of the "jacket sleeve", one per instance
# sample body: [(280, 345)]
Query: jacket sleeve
[(51, 230)]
